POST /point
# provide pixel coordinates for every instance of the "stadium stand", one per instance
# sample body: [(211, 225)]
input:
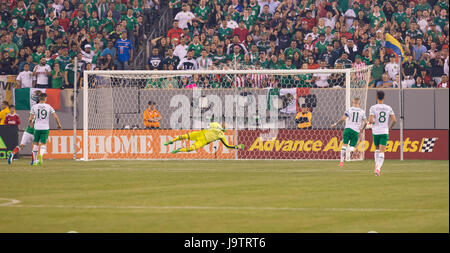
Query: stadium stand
[(228, 34)]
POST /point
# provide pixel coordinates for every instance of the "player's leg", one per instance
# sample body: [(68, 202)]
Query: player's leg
[(376, 142), (200, 141), (188, 136), (343, 152), (26, 139), (195, 135), (353, 142), (345, 140), (197, 145), (34, 156), (383, 142), (43, 144)]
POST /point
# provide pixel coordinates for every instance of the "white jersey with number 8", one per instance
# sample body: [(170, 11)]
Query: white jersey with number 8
[(42, 114), (355, 117), (381, 114)]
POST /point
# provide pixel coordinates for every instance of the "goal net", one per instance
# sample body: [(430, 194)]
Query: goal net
[(276, 114)]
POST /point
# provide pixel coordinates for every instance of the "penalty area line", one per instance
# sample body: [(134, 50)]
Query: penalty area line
[(222, 208)]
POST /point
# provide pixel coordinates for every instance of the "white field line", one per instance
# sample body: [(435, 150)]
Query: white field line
[(9, 202), (15, 203)]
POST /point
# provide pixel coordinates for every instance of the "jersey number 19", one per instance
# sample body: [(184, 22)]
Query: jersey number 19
[(41, 113)]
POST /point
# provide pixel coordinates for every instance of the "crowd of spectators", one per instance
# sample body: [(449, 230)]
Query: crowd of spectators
[(304, 34), (40, 39)]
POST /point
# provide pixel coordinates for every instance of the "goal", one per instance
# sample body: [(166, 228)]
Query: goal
[(276, 114)]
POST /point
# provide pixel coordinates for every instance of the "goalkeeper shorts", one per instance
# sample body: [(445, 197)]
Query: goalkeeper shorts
[(199, 138)]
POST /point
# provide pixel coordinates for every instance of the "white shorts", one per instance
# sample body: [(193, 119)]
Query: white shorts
[(26, 138)]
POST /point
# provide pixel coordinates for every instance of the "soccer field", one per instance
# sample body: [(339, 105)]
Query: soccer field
[(224, 196)]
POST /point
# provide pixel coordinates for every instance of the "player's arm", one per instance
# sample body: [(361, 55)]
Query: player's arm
[(393, 121), (224, 141), (364, 124), (339, 121), (57, 120), (371, 119), (31, 119)]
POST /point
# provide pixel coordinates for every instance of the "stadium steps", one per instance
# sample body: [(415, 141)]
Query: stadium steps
[(157, 29)]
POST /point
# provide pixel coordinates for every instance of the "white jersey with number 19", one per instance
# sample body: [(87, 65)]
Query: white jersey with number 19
[(381, 114), (42, 114), (355, 117)]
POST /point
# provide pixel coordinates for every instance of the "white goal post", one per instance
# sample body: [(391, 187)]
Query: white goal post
[(276, 114)]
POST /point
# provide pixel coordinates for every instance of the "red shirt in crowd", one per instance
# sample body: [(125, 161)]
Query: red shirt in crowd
[(242, 33), (175, 33), (64, 22), (310, 21), (12, 119), (313, 66)]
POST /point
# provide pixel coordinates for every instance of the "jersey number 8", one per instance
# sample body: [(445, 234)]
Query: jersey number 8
[(382, 117)]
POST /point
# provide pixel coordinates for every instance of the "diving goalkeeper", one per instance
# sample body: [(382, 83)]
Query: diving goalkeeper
[(203, 137)]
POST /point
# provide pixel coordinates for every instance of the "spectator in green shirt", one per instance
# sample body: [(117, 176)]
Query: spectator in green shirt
[(57, 76), (9, 47), (377, 72)]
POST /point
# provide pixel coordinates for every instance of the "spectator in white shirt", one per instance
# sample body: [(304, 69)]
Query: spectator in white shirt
[(184, 17), (392, 68), (181, 49), (41, 73), (25, 78)]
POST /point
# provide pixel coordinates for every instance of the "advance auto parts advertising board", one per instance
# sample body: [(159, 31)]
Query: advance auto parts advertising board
[(285, 144), (326, 144)]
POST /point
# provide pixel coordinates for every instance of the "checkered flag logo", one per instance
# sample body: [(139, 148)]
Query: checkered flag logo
[(428, 145)]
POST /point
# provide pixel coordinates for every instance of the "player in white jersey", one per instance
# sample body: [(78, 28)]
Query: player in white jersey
[(40, 114), (354, 118), (379, 117)]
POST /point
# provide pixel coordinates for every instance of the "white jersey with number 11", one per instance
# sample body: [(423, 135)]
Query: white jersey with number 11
[(355, 116), (42, 114)]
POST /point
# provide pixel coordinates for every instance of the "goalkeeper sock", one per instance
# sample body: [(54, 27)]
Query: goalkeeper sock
[(380, 160), (181, 137), (35, 152), (343, 151)]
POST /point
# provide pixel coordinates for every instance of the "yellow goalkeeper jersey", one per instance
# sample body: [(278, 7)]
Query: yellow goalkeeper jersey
[(213, 134)]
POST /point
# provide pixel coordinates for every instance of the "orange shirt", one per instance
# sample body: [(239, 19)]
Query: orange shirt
[(304, 119), (150, 115)]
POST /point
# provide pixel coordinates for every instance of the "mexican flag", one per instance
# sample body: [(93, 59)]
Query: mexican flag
[(25, 98), (283, 100), (286, 100)]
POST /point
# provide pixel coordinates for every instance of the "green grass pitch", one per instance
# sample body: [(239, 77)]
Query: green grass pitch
[(224, 196)]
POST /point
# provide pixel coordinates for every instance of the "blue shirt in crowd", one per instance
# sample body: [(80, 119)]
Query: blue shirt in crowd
[(123, 49)]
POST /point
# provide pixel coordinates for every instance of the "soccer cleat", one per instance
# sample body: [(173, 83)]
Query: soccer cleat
[(31, 163), (10, 158), (35, 163), (176, 151), (40, 160), (377, 173), (168, 143), (341, 164)]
